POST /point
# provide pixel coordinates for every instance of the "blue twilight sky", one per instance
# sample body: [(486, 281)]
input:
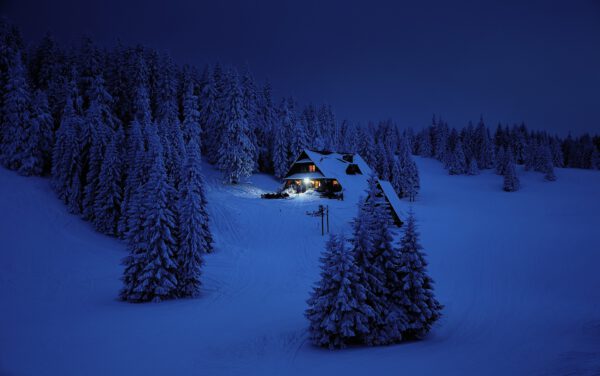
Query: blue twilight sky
[(532, 61)]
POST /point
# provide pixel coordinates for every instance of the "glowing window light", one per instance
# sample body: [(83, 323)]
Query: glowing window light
[(306, 181)]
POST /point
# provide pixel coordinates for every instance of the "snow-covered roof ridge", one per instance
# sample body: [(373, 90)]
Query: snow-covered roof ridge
[(333, 164), (392, 196)]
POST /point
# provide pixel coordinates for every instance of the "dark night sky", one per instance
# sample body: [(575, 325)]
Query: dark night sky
[(536, 61)]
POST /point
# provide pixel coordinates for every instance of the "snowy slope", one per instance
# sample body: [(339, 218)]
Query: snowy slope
[(516, 271)]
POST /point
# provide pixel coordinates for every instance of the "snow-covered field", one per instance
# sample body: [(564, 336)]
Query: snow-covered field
[(518, 274)]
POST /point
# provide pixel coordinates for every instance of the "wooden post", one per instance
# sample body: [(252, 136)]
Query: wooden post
[(328, 219), (322, 212)]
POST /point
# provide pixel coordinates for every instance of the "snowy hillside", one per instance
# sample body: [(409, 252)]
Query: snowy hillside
[(517, 272)]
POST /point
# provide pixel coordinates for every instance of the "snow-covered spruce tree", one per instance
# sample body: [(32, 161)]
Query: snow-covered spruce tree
[(214, 134), (485, 152), (209, 118), (547, 167), (338, 311), (397, 176), (15, 114), (109, 195), (413, 183), (558, 158), (501, 160), (37, 144), (596, 159), (101, 124), (530, 157), (281, 144), (383, 161), (150, 268), (415, 288), (194, 234), (372, 250), (424, 143), (393, 319), (264, 130), (457, 160), (298, 139), (511, 181), (371, 275), (236, 151), (191, 116), (366, 145), (66, 155), (135, 161), (472, 169), (251, 110)]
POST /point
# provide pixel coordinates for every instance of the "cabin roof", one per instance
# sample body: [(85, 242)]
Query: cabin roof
[(334, 166), (392, 197)]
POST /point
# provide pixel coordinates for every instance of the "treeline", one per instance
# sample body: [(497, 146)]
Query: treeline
[(474, 148)]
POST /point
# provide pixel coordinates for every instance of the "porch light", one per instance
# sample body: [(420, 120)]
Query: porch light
[(306, 180)]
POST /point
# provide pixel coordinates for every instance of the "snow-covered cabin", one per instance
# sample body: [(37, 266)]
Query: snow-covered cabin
[(342, 175)]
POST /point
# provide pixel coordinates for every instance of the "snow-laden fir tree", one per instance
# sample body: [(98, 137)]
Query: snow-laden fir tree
[(511, 180), (457, 164), (191, 116), (404, 174), (485, 147), (282, 157), (264, 129), (236, 152), (37, 144), (135, 162), (250, 106), (371, 241), (383, 161), (531, 153), (596, 159), (194, 234), (298, 139), (150, 268), (441, 140), (209, 118), (558, 158), (424, 143), (338, 311), (386, 257), (415, 288), (472, 168), (66, 155), (109, 195), (16, 102), (101, 124), (501, 160), (371, 276), (547, 164), (414, 183)]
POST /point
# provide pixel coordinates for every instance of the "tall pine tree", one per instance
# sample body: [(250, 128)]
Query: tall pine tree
[(338, 310)]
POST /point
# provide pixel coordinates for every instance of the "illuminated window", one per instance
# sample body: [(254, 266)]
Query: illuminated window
[(312, 168), (317, 184), (335, 182)]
